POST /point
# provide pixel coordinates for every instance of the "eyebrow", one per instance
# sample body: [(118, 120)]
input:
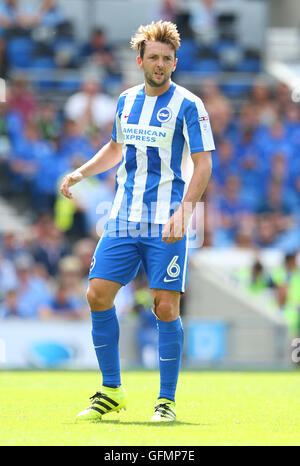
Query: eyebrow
[(156, 54)]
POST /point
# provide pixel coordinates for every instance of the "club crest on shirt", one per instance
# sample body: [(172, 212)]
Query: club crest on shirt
[(164, 115)]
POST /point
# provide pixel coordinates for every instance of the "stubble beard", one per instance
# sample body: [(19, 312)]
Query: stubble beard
[(152, 83)]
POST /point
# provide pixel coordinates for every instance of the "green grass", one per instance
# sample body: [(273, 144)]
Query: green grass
[(213, 408)]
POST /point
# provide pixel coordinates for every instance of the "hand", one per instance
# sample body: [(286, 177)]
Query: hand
[(176, 227), (68, 181)]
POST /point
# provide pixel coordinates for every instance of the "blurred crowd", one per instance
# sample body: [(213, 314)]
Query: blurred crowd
[(210, 41), (279, 286), (44, 38), (252, 200), (254, 192)]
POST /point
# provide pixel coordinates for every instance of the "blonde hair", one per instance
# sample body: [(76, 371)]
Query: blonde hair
[(162, 31)]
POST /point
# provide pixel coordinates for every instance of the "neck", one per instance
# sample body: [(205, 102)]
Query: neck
[(156, 91)]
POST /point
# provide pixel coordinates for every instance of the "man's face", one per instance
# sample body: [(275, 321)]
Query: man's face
[(158, 63)]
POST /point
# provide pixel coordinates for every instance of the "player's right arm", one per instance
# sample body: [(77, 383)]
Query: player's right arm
[(107, 157)]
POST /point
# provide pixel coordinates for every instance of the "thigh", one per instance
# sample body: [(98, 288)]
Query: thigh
[(107, 288), (165, 264), (115, 259)]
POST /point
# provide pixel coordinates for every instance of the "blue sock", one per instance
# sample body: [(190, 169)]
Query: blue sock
[(170, 343), (105, 334)]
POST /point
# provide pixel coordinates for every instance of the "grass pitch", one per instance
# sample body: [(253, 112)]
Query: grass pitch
[(223, 408)]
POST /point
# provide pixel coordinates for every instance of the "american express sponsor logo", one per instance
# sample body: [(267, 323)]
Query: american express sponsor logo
[(147, 135)]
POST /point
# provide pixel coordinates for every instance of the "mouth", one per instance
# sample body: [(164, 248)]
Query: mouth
[(158, 74)]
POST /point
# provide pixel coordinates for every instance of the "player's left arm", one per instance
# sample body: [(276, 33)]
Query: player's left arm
[(176, 227)]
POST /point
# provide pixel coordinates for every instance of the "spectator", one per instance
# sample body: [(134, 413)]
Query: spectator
[(50, 14), (203, 21), (256, 279), (14, 17), (265, 232), (90, 107), (100, 53), (41, 227), (219, 109), (276, 140), (224, 162), (32, 291), (167, 11), (277, 220), (11, 127), (71, 277), (27, 166), (282, 97), (263, 102), (8, 277), (249, 166), (273, 202), (22, 99), (286, 280), (73, 142), (61, 306), (288, 276), (9, 307), (232, 211), (8, 15), (50, 249), (279, 171), (248, 121), (48, 121), (11, 246), (291, 121)]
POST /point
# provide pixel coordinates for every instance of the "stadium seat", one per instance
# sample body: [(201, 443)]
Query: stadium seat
[(207, 66), (249, 65), (229, 53), (40, 64), (236, 88), (43, 63), (223, 44), (186, 55), (20, 51), (70, 84)]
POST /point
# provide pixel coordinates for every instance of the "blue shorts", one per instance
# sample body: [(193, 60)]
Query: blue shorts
[(119, 254)]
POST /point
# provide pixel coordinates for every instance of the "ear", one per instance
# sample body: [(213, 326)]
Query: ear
[(139, 62), (175, 64)]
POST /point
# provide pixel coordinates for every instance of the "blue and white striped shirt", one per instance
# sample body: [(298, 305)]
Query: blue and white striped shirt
[(156, 133)]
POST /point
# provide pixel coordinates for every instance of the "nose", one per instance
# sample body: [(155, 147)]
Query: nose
[(160, 62)]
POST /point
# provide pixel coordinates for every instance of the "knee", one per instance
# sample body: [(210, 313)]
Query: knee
[(98, 300), (166, 311)]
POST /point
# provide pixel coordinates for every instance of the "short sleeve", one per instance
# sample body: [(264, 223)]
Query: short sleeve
[(196, 128), (117, 134)]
